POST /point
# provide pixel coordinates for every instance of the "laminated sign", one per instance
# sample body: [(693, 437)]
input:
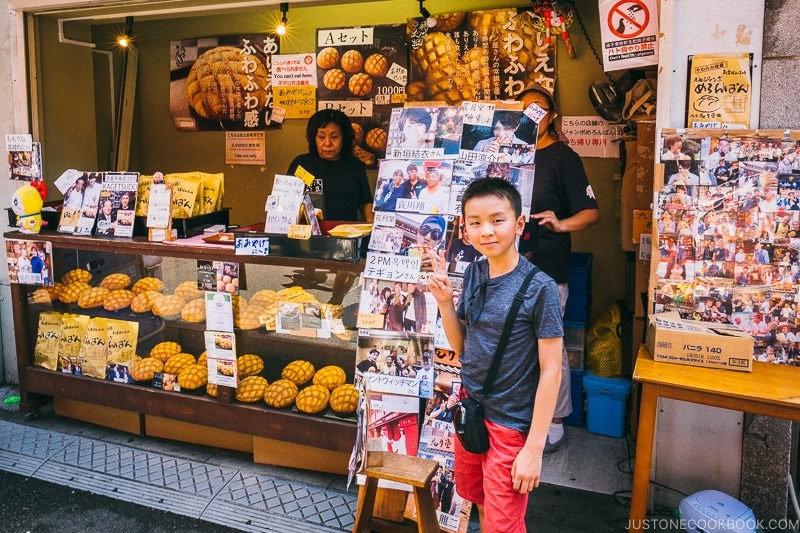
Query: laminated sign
[(629, 31)]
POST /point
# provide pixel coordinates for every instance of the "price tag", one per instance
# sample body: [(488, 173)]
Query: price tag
[(299, 231), (304, 175), (252, 245)]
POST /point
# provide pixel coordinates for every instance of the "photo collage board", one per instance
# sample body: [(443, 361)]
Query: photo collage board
[(433, 153), (727, 224)]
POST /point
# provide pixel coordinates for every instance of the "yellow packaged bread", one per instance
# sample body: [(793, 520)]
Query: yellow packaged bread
[(298, 372), (251, 389), (92, 298), (280, 393), (93, 354), (168, 307), (115, 281), (73, 328), (45, 354), (194, 311), (117, 299), (147, 284), (73, 291), (143, 302), (177, 362), (313, 399), (192, 376), (164, 350), (77, 274), (249, 365), (344, 399), (187, 188), (188, 291), (144, 369), (143, 198), (121, 338), (330, 376), (211, 197)]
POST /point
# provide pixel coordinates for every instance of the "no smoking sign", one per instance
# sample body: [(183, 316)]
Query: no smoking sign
[(628, 18)]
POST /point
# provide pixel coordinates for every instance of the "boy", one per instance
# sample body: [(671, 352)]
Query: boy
[(499, 481)]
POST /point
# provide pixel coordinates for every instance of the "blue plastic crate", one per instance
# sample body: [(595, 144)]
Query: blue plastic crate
[(580, 288), (576, 392), (605, 404)]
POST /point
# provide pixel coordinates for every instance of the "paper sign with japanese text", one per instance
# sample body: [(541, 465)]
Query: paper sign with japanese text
[(392, 267), (720, 91), (251, 245), (245, 148), (294, 70), (219, 311), (592, 136), (629, 31), (297, 102)]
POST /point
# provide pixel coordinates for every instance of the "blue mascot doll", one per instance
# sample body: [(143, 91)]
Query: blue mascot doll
[(27, 205)]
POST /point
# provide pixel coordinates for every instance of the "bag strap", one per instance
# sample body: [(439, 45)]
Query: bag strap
[(512, 316)]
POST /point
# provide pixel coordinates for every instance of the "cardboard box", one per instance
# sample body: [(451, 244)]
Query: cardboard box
[(690, 342)]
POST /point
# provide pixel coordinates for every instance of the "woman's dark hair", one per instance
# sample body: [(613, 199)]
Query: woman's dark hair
[(551, 105), (322, 118), (493, 187), (417, 115)]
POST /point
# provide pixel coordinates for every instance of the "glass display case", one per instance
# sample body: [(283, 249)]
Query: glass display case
[(275, 435)]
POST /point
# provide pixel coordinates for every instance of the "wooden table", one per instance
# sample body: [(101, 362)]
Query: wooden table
[(770, 390)]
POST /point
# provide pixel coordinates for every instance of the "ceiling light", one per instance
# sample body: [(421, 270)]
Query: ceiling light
[(125, 39), (281, 28)]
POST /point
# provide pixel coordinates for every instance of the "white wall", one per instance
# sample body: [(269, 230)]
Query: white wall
[(8, 365)]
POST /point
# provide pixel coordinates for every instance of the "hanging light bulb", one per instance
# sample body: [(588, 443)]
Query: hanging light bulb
[(281, 28), (124, 40)]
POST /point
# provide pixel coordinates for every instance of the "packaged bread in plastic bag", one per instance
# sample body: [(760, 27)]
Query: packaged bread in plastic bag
[(92, 355), (121, 337), (187, 190), (45, 354), (73, 328)]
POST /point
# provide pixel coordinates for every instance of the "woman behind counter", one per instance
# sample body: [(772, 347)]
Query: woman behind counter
[(339, 176)]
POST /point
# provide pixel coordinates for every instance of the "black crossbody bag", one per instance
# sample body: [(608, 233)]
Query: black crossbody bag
[(469, 419)]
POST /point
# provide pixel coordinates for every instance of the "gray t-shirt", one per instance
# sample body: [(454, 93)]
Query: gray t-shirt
[(484, 305)]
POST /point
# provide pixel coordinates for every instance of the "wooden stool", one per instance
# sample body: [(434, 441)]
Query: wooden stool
[(413, 471)]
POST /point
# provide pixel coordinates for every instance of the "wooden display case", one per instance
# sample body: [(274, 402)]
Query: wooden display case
[(177, 415)]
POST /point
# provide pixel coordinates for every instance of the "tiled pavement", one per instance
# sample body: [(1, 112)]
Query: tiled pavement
[(226, 495)]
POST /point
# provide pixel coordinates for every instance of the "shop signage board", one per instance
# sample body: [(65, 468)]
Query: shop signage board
[(629, 32)]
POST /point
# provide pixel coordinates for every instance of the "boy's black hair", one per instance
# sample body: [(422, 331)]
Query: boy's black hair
[(322, 118), (493, 187)]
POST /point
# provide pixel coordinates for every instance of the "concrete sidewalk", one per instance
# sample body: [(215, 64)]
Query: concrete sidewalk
[(218, 486)]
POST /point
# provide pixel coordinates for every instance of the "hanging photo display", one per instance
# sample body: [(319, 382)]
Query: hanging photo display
[(222, 83), (728, 234)]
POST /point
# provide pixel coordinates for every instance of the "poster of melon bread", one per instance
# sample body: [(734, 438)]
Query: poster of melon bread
[(363, 72), (222, 83), (479, 55)]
